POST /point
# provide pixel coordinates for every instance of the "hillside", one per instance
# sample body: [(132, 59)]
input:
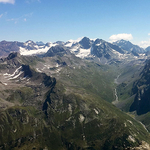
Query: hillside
[(39, 111)]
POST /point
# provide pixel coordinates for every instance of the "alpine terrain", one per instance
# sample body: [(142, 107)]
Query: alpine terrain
[(77, 95)]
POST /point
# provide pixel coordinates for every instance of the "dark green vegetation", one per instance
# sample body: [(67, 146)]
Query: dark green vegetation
[(62, 103)]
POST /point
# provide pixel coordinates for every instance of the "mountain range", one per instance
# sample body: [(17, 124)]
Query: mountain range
[(98, 49)]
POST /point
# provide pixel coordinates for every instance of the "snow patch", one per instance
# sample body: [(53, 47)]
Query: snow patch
[(121, 56), (57, 65), (98, 44), (58, 70), (15, 75), (96, 111), (83, 52), (69, 44), (130, 138), (15, 72), (39, 50), (75, 48), (70, 108), (130, 122), (15, 130), (125, 124), (81, 118), (38, 70), (4, 83)]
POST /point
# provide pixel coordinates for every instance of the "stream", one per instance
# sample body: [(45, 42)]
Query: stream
[(116, 96)]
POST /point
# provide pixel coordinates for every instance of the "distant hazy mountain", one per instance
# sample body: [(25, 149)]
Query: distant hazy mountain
[(128, 46), (7, 47), (40, 43), (147, 49), (59, 42)]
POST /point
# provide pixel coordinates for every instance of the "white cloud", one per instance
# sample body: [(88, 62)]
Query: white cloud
[(123, 36), (7, 1), (25, 19), (148, 33), (144, 44)]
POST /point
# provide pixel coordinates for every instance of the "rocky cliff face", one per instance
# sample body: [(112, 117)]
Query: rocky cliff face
[(141, 88)]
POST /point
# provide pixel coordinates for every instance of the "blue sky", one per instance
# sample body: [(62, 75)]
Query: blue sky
[(53, 20)]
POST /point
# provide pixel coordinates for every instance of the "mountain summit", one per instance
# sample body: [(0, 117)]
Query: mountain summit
[(128, 46)]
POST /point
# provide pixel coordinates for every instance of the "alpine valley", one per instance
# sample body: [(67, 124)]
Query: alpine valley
[(76, 95)]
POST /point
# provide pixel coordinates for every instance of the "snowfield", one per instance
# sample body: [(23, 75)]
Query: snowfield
[(38, 50)]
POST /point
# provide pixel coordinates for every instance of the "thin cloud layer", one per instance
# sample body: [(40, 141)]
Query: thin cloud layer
[(7, 1), (123, 36)]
